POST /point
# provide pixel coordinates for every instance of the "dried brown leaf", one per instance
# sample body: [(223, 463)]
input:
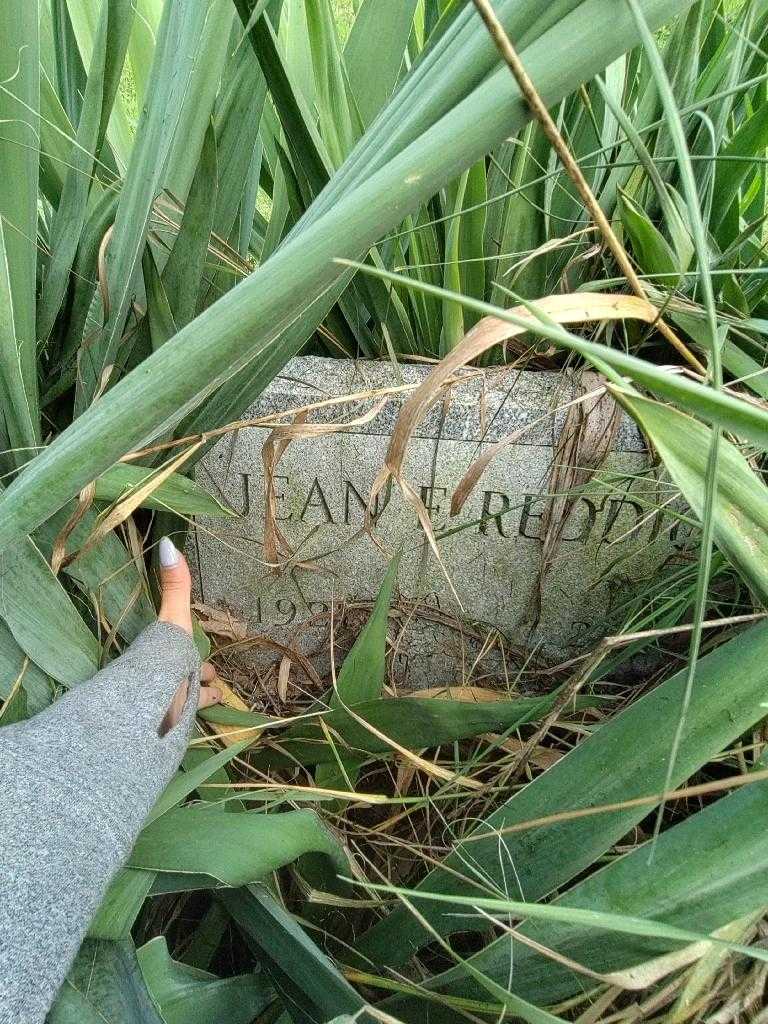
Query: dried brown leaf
[(584, 442), (283, 676), (470, 694), (59, 556), (487, 333), (220, 622), (230, 734), (123, 509)]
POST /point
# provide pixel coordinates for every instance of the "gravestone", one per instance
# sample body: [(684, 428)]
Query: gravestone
[(614, 540)]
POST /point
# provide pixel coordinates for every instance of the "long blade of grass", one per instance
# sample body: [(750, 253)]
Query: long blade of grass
[(121, 905), (340, 124), (186, 995), (176, 493), (706, 871), (236, 848), (16, 666), (142, 45), (109, 49), (715, 339), (183, 273), (312, 987), (383, 31), (107, 576), (718, 407), (740, 507), (19, 160), (243, 326), (18, 412), (174, 60), (67, 66), (105, 983), (587, 918), (412, 722), (635, 744), (750, 138), (212, 56), (42, 618)]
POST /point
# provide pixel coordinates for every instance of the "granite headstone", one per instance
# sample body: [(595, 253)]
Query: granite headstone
[(615, 539)]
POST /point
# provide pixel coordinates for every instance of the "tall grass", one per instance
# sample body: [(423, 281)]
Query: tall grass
[(195, 190)]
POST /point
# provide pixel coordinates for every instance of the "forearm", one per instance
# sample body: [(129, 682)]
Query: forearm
[(78, 782)]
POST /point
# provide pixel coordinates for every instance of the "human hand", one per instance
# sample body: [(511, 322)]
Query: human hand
[(175, 607)]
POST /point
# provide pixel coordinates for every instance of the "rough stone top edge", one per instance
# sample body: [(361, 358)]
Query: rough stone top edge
[(484, 407)]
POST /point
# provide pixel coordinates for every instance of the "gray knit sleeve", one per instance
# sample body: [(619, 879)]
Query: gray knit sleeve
[(78, 780)]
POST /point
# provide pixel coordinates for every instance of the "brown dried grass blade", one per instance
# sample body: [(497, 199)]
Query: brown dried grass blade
[(290, 787), (584, 442), (551, 245), (470, 694), (283, 677), (473, 475), (277, 548), (274, 419), (59, 555), (123, 509), (229, 734), (487, 333), (219, 622), (275, 542), (435, 770), (250, 642)]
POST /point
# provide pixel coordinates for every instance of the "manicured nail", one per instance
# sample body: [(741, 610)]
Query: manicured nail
[(169, 553)]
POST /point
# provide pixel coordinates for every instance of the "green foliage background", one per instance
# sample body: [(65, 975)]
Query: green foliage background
[(180, 181)]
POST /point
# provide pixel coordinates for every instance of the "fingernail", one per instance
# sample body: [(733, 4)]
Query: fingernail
[(169, 553)]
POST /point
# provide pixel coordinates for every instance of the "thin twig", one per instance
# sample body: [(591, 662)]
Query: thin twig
[(651, 800), (558, 143), (569, 691)]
